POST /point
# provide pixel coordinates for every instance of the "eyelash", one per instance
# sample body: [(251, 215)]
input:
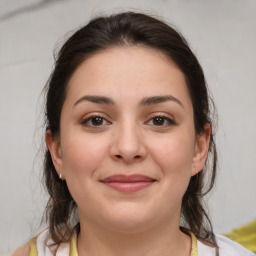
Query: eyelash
[(90, 118), (170, 122)]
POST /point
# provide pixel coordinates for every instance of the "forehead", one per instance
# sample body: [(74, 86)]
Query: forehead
[(128, 71)]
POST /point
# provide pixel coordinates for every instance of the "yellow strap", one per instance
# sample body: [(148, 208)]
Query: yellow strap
[(73, 249), (33, 250), (194, 244)]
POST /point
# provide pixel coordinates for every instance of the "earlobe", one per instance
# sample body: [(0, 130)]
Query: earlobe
[(201, 149), (53, 144)]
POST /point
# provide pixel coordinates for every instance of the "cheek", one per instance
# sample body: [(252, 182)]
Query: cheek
[(174, 155), (82, 155)]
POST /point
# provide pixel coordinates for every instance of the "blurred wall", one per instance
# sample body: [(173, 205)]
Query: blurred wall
[(221, 33)]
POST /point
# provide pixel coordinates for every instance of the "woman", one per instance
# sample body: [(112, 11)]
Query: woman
[(128, 134)]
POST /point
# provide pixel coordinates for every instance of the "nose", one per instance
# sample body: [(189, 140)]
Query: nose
[(128, 144)]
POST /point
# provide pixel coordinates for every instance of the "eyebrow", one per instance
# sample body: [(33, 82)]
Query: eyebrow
[(144, 102), (159, 99)]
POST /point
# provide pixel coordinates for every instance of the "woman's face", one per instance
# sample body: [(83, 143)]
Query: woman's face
[(127, 146)]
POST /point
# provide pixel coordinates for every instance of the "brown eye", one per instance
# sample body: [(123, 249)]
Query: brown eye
[(97, 120), (93, 121), (161, 121), (158, 120)]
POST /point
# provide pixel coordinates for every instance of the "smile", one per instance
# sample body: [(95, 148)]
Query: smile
[(128, 184)]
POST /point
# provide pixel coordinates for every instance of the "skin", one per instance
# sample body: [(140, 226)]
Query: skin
[(129, 140)]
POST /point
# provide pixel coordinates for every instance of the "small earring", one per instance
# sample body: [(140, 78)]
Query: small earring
[(60, 176)]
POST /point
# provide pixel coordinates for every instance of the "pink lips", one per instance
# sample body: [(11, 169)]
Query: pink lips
[(128, 183)]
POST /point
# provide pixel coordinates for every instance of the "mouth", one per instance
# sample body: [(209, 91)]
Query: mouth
[(128, 183)]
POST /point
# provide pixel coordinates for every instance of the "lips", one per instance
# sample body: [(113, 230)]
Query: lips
[(128, 183)]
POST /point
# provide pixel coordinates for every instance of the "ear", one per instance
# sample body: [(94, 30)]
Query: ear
[(201, 149), (53, 144)]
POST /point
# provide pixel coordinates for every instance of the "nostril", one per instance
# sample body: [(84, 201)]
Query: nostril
[(135, 157)]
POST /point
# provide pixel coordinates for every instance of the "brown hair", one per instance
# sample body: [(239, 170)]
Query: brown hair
[(121, 29)]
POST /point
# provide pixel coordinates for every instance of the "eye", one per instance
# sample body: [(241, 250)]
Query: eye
[(93, 121), (161, 121)]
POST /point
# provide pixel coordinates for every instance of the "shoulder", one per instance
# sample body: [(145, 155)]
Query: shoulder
[(227, 248), (45, 246), (23, 250), (41, 245)]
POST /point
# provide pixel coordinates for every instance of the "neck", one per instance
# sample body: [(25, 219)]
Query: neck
[(163, 240)]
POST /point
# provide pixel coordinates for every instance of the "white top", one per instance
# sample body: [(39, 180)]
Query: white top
[(227, 247)]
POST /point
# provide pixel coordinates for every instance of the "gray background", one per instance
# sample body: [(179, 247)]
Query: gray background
[(222, 33)]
